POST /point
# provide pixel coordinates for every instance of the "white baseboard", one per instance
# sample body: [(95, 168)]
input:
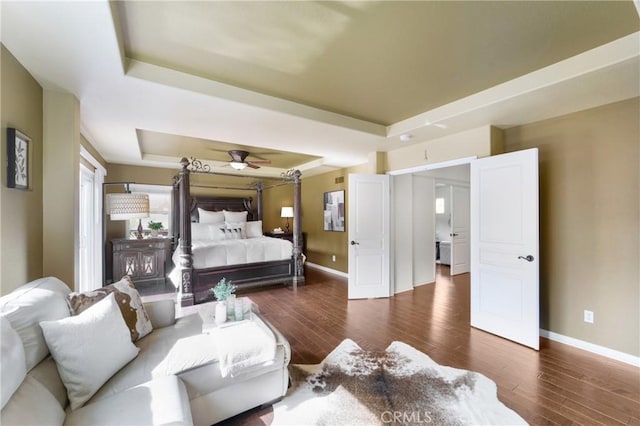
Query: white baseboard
[(327, 270), (590, 347)]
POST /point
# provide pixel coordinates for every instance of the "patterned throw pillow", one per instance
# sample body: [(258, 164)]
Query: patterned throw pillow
[(128, 300), (231, 233), (238, 225)]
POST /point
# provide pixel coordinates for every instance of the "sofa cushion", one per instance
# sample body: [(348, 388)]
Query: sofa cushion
[(89, 348), (162, 401), (32, 404), (47, 374), (40, 300), (128, 300), (149, 364), (13, 365)]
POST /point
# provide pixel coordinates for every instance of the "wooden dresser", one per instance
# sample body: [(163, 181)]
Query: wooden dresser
[(145, 261)]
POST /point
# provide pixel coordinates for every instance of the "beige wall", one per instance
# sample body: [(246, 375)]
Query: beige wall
[(590, 222), (481, 142), (61, 186), (20, 211), (321, 244), (91, 150)]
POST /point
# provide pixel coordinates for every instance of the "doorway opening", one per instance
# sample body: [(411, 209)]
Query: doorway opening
[(450, 215)]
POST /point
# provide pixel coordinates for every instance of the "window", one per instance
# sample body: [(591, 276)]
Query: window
[(439, 205), (159, 208)]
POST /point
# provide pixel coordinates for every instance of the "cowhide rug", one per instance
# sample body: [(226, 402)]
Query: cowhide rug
[(399, 386)]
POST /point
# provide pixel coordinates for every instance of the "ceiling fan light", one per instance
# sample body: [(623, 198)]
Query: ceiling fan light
[(237, 165)]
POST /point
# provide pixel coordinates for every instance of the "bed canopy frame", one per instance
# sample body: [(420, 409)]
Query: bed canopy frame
[(195, 283)]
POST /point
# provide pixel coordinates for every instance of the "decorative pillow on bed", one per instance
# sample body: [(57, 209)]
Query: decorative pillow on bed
[(128, 300), (238, 225), (210, 217), (235, 216), (232, 233), (253, 229)]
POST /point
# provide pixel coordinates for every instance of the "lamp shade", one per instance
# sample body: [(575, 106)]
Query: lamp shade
[(128, 206), (286, 212)]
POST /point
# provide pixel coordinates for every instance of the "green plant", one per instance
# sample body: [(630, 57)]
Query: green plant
[(155, 225), (223, 289)]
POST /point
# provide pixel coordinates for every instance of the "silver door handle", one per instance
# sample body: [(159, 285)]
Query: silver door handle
[(528, 258), (453, 235), (353, 243)]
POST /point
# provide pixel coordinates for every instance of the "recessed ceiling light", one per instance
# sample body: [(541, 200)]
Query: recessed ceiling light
[(405, 137)]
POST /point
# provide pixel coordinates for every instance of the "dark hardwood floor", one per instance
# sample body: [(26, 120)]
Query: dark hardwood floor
[(557, 385)]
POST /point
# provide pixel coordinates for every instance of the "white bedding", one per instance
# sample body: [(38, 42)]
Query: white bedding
[(211, 254)]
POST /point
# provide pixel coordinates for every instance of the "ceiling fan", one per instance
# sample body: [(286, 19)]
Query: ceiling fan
[(239, 160)]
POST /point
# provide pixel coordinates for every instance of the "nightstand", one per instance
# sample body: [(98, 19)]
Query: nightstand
[(289, 236), (143, 260)]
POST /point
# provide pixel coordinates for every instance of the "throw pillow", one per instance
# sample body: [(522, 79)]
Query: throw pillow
[(89, 348), (238, 225), (231, 234), (254, 229), (210, 217), (128, 300), (235, 216)]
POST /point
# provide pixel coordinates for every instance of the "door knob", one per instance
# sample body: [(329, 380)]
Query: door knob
[(353, 243), (453, 235), (528, 258)]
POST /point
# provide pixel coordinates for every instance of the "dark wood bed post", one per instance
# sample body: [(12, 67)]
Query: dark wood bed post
[(186, 265), (259, 188), (298, 273)]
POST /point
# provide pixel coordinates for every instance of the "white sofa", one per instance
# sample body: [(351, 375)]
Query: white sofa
[(174, 379)]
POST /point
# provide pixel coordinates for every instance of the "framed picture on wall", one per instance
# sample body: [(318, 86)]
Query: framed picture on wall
[(17, 159), (334, 211)]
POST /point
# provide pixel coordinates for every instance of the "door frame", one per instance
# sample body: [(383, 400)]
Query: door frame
[(433, 166), (99, 173)]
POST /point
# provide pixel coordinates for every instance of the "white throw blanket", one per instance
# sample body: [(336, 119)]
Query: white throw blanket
[(244, 344)]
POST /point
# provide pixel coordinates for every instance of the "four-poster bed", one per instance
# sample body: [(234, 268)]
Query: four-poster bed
[(195, 282)]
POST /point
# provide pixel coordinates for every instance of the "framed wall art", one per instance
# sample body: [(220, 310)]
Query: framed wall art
[(334, 211), (17, 159)]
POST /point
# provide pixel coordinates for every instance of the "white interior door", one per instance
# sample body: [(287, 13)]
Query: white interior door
[(369, 236), (504, 246), (460, 242)]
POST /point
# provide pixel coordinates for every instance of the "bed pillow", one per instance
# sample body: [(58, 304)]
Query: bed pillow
[(238, 225), (89, 348), (201, 231), (210, 217), (235, 216), (128, 300), (253, 229)]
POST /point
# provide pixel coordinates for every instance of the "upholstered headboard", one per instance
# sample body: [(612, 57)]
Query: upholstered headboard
[(217, 204)]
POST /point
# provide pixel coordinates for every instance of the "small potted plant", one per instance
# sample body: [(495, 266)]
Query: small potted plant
[(155, 227), (222, 291)]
